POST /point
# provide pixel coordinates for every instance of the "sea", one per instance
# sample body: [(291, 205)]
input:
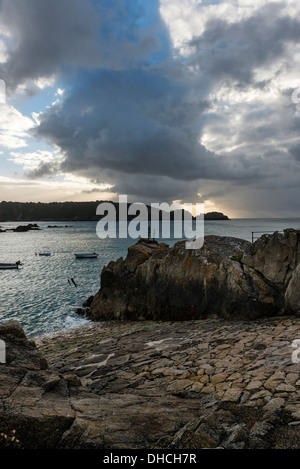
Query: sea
[(40, 294)]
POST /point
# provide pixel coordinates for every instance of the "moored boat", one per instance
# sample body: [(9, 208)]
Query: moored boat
[(4, 266), (92, 255)]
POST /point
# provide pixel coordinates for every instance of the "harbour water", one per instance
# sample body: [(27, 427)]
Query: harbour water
[(39, 295)]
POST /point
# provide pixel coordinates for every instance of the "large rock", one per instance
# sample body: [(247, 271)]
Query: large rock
[(33, 401), (227, 277), (238, 428), (292, 294), (275, 256)]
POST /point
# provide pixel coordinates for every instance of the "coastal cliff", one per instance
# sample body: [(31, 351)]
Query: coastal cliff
[(228, 277)]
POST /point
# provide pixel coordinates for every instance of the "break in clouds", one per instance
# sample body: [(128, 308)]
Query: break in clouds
[(159, 113)]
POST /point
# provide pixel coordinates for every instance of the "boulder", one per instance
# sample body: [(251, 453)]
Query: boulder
[(227, 277), (33, 403), (292, 294), (275, 256)]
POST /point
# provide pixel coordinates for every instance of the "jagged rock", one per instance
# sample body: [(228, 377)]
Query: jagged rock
[(292, 294), (228, 277), (234, 428), (32, 403), (215, 429), (275, 256), (21, 354), (25, 228)]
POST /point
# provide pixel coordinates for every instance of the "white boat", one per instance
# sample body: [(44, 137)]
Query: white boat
[(10, 266), (92, 255)]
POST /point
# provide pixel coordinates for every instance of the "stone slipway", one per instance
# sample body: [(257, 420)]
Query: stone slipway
[(189, 384)]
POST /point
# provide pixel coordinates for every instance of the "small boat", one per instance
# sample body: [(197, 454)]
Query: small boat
[(45, 254), (86, 256), (10, 266)]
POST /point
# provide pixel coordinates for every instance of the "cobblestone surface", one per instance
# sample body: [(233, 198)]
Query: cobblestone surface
[(157, 376)]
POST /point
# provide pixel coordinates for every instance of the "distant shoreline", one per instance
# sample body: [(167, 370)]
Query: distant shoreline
[(70, 212)]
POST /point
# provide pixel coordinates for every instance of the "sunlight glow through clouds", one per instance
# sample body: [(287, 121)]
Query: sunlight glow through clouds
[(66, 188)]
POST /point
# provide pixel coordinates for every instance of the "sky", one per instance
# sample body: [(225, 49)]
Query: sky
[(193, 101)]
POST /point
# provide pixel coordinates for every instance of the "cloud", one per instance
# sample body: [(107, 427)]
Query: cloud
[(143, 128), (53, 37), (235, 50), (136, 123), (14, 127), (46, 34), (39, 163), (213, 116), (187, 19), (295, 151)]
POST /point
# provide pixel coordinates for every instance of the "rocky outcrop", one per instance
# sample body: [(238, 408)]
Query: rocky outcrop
[(22, 228), (33, 403), (227, 277), (25, 228), (215, 216), (275, 257), (292, 294)]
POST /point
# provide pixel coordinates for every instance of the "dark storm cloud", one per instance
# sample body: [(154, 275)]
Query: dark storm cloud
[(136, 122), (49, 36), (45, 34), (295, 151), (159, 189), (234, 50)]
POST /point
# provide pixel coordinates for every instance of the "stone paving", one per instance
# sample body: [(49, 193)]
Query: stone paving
[(178, 370)]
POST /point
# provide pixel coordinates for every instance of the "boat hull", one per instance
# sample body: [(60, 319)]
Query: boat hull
[(8, 266), (86, 256)]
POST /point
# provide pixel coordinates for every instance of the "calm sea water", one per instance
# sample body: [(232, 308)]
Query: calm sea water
[(39, 296)]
